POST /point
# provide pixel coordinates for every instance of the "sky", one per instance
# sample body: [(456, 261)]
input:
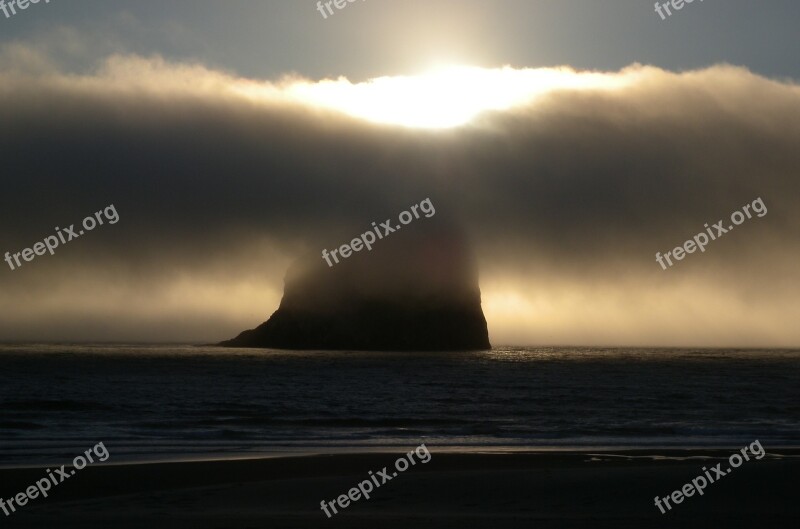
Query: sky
[(570, 140)]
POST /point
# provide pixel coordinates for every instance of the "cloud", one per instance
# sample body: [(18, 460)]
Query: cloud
[(221, 182)]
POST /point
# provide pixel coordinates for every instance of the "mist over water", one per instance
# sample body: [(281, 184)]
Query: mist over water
[(148, 402)]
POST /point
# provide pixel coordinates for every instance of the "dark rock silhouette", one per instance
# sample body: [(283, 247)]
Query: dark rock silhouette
[(415, 291)]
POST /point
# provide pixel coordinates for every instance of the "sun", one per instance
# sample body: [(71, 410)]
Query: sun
[(441, 98), (444, 97)]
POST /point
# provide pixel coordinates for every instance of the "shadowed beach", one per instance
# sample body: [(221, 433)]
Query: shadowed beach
[(501, 490)]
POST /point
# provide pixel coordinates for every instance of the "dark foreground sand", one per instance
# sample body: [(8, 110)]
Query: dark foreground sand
[(454, 490)]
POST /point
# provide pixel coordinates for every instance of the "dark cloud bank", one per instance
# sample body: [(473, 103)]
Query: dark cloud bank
[(566, 201)]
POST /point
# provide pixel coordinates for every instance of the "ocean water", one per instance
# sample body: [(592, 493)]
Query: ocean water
[(175, 402)]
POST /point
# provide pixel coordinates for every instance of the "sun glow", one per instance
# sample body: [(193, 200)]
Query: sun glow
[(445, 97)]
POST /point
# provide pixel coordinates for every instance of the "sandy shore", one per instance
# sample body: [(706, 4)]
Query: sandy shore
[(454, 490)]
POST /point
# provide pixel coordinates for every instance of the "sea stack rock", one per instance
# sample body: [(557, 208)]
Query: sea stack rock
[(416, 290)]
